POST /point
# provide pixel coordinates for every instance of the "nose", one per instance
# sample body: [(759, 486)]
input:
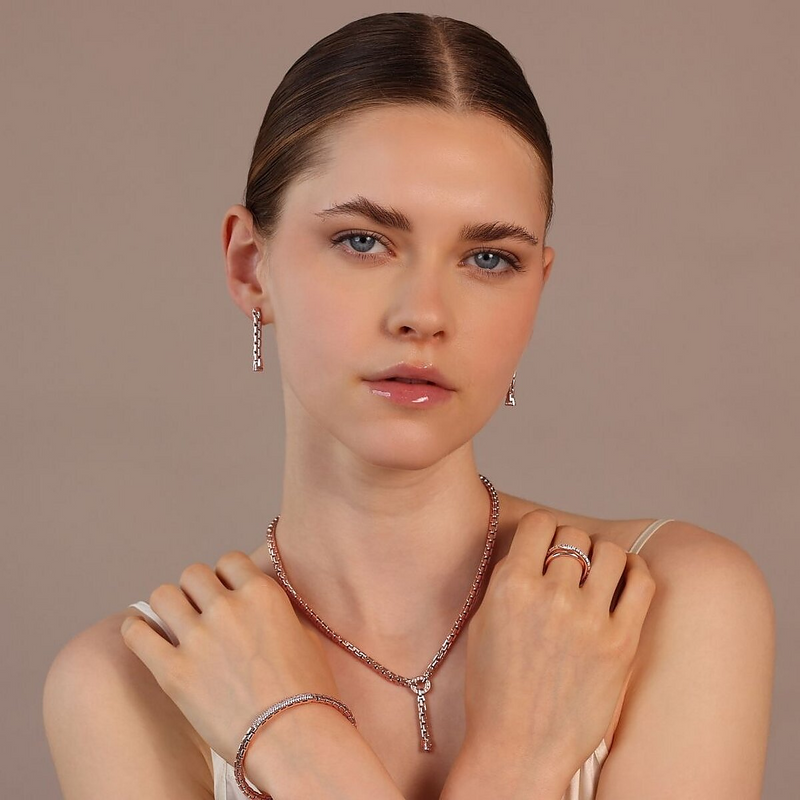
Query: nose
[(420, 305)]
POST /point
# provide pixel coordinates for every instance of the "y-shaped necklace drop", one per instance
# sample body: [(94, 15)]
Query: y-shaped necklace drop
[(422, 683)]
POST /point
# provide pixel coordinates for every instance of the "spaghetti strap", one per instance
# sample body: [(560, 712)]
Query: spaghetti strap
[(646, 534), (144, 608)]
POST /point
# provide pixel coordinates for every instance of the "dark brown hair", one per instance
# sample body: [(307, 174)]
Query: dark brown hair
[(386, 59)]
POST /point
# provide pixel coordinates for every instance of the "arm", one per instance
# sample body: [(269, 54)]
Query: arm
[(695, 720), (113, 732)]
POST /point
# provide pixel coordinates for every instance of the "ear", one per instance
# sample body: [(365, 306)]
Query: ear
[(245, 258), (548, 255)]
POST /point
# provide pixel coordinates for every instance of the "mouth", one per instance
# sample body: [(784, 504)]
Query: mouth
[(409, 392), (407, 373), (411, 380)]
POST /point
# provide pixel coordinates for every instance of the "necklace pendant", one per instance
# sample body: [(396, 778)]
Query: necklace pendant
[(426, 743)]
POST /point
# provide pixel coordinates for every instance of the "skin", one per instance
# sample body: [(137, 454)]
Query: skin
[(368, 483)]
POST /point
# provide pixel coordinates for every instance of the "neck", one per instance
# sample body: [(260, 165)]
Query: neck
[(386, 557)]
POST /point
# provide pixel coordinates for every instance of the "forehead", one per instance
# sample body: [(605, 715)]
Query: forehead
[(431, 160)]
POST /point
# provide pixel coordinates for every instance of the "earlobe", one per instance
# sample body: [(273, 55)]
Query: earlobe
[(548, 256), (243, 253)]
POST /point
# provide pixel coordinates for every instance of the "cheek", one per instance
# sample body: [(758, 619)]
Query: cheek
[(507, 330), (317, 329), (498, 339)]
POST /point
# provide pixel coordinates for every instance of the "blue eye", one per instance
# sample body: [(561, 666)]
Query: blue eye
[(368, 239), (513, 261), (352, 235)]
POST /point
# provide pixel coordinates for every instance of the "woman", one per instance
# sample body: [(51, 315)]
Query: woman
[(394, 230)]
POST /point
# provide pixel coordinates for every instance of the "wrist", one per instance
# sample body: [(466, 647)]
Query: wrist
[(316, 751)]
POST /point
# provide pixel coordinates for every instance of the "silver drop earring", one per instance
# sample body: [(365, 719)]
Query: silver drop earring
[(510, 400), (257, 365)]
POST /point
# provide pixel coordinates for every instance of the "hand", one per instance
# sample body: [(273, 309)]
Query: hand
[(547, 659), (241, 649)]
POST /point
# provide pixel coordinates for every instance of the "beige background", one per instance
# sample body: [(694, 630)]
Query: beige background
[(662, 378)]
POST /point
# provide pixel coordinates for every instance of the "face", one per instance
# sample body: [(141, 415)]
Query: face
[(351, 295)]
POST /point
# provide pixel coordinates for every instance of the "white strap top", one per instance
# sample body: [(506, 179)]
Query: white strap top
[(583, 785)]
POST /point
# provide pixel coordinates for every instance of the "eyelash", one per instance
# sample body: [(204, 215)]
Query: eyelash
[(510, 258)]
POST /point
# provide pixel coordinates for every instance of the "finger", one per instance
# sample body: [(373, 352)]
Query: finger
[(636, 593), (608, 565), (237, 568), (568, 568), (155, 622), (201, 585), (531, 539), (174, 608), (151, 648)]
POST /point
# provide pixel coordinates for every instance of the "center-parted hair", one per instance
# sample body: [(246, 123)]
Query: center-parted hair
[(387, 59)]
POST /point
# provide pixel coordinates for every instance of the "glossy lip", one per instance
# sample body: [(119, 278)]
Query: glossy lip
[(425, 372), (413, 395)]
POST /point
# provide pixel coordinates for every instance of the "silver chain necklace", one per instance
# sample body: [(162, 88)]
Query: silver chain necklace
[(421, 684)]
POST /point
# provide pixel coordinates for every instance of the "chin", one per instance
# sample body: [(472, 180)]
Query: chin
[(408, 447)]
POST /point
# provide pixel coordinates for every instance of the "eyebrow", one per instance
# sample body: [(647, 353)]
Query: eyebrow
[(391, 218)]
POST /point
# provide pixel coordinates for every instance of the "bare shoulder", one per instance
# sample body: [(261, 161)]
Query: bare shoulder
[(706, 584), (696, 711), (696, 564), (106, 718)]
